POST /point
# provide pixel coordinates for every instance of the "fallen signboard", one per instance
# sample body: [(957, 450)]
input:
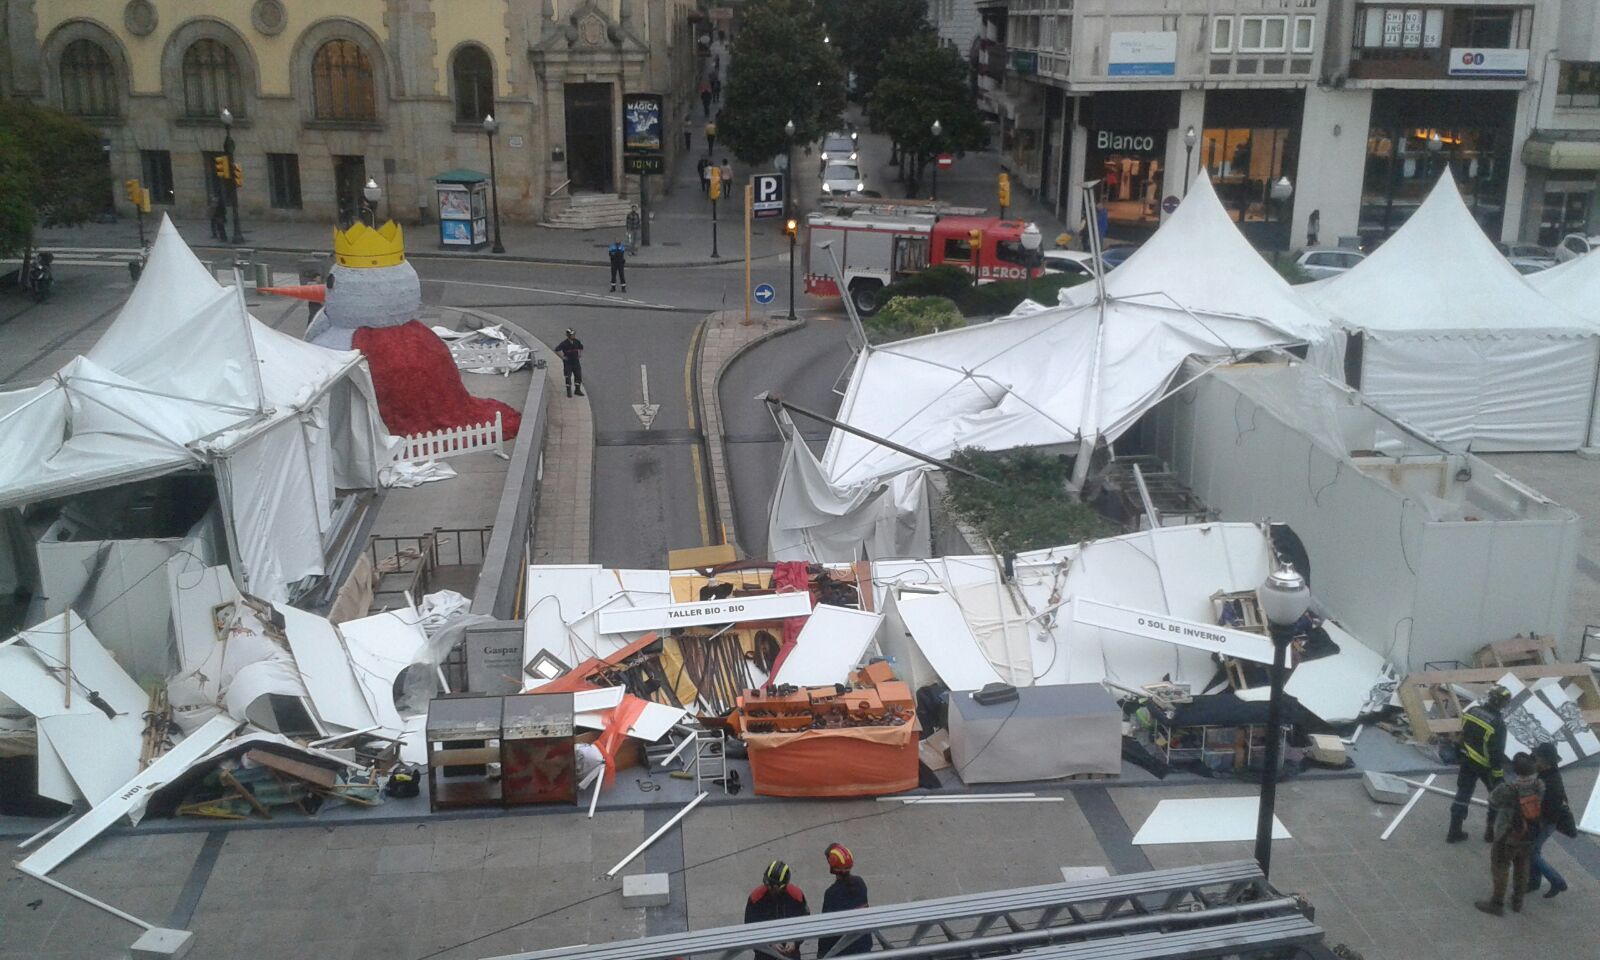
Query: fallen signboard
[(777, 606), (1164, 627)]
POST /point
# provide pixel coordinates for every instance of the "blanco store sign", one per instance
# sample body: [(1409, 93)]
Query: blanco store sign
[(776, 606), (1170, 629), (1490, 62)]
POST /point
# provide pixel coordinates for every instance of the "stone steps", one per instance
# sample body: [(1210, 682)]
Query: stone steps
[(591, 212)]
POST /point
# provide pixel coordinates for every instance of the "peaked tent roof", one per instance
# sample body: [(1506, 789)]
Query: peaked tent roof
[(1199, 259), (182, 363), (1574, 284), (1439, 274), (1021, 381)]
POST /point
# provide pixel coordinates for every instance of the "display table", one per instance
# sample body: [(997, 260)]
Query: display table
[(1049, 732), (844, 762)]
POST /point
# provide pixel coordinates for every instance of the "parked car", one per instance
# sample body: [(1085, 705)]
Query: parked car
[(1575, 245), (1531, 252), (1075, 262), (1527, 265), (1330, 262), (841, 179), (838, 146)]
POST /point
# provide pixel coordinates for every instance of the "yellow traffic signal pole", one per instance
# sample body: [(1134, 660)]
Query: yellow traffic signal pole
[(791, 226), (749, 198), (715, 191)]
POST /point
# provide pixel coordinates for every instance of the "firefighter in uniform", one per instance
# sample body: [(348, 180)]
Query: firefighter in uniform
[(1482, 750), (776, 899)]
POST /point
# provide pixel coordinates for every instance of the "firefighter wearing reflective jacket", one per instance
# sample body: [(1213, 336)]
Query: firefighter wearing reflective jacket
[(1482, 750), (776, 899)]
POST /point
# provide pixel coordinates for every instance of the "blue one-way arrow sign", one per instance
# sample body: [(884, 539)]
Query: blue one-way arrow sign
[(765, 293)]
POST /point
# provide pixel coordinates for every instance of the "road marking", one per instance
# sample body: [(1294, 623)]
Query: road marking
[(646, 411), (694, 424), (603, 298)]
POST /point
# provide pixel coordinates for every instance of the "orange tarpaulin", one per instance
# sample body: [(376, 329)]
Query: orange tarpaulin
[(619, 720), (844, 762)]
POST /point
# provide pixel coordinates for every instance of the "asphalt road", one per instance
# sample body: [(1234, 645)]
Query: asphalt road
[(803, 367)]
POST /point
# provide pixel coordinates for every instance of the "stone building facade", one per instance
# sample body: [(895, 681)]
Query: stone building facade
[(326, 96)]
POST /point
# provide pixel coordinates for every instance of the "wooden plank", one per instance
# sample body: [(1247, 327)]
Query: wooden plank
[(464, 757), (299, 769), (1416, 692)]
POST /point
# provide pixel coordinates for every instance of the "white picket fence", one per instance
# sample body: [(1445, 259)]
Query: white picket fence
[(453, 442)]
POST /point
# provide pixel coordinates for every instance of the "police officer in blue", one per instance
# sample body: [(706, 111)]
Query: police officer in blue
[(1482, 752), (618, 252)]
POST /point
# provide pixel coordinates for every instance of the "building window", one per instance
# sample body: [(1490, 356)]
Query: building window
[(1222, 35), (211, 80), (156, 165), (474, 79), (1579, 85), (1304, 28), (1262, 34), (88, 80), (283, 180), (343, 87), (1399, 28)]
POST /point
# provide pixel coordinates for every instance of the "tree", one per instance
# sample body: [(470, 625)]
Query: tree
[(921, 82), (863, 29), (54, 164), (779, 71)]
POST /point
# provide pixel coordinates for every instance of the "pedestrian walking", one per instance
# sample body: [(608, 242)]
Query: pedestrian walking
[(704, 166), (1481, 750), (1515, 812), (711, 135), (618, 254), (219, 220), (688, 131), (716, 89), (777, 899), (705, 97), (570, 351), (1556, 814), (726, 175), (848, 892)]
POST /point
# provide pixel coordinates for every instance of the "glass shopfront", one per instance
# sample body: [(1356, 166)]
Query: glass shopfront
[(1126, 151), (1249, 146), (1416, 135)]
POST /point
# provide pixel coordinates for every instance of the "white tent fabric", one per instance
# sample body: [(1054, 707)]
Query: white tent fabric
[(1456, 342), (814, 520), (1198, 259), (1022, 381), (1574, 284), (184, 378)]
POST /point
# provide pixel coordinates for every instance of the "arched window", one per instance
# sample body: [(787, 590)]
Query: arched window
[(474, 79), (211, 80), (88, 80), (342, 83)]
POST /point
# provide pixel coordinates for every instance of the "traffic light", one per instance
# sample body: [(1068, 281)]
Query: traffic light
[(716, 183), (131, 189), (238, 174), (1005, 190), (144, 200), (975, 238), (791, 227), (220, 165)]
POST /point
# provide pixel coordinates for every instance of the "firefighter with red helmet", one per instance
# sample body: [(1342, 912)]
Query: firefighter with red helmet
[(848, 892)]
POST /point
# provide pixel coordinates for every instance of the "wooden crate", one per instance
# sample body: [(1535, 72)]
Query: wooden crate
[(1419, 691)]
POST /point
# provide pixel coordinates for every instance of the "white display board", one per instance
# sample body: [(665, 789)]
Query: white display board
[(1162, 626), (776, 606)]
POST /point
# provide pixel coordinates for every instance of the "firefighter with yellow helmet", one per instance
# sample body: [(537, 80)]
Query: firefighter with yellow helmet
[(1481, 750)]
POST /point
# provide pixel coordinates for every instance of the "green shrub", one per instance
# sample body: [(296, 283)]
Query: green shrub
[(942, 280), (1028, 507), (999, 299), (904, 317), (1286, 267)]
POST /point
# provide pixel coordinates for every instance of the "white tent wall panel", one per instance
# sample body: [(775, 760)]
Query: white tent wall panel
[(1378, 561), (1518, 392)]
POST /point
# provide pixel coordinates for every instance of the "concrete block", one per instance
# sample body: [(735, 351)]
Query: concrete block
[(645, 890), (1385, 787), (1074, 874), (160, 943), (1326, 749)]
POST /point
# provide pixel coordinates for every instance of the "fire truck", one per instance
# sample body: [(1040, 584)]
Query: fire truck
[(877, 248)]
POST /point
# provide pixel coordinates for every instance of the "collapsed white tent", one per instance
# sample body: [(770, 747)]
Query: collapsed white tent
[(186, 379), (1443, 332), (1023, 381), (1198, 261)]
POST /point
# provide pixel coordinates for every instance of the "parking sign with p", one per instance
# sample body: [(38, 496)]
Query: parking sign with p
[(767, 194)]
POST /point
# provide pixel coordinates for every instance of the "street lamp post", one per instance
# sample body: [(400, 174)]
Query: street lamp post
[(490, 125), (371, 192), (1283, 597), (228, 185), (937, 129), (1031, 239), (1190, 138), (788, 177)]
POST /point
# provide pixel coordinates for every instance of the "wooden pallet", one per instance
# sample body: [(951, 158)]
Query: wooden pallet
[(1420, 691)]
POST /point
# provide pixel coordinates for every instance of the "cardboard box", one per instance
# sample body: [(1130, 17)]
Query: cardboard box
[(1327, 749), (896, 693)]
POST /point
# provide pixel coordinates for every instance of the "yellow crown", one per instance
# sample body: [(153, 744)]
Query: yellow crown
[(362, 246)]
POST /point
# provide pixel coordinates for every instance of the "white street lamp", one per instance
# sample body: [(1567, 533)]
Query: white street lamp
[(1283, 597)]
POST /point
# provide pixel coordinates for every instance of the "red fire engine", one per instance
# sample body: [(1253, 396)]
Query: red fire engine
[(876, 249)]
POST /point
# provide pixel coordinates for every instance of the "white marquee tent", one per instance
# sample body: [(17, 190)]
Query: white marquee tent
[(1454, 341), (1576, 286), (185, 379), (1199, 261)]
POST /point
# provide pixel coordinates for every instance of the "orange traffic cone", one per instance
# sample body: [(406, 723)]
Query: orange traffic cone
[(315, 292)]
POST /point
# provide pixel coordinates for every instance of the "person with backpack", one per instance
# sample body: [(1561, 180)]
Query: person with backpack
[(1557, 815), (1482, 754), (1515, 813)]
